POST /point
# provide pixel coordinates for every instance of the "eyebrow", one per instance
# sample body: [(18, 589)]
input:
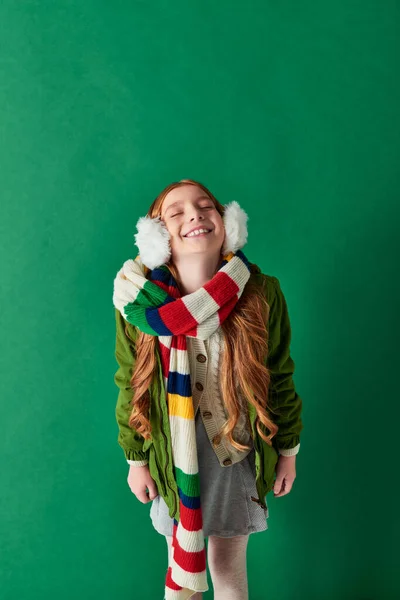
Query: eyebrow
[(179, 201)]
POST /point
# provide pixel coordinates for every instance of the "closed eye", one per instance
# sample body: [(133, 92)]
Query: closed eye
[(179, 213)]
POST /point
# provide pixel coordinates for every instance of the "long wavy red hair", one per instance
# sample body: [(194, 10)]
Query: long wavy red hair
[(245, 333)]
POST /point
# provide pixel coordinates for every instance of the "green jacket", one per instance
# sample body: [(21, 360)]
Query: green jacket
[(283, 398)]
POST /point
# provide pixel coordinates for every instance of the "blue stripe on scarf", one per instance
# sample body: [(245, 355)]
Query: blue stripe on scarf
[(154, 320), (178, 383), (164, 275), (189, 501)]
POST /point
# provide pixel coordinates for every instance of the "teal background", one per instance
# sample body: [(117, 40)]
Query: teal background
[(290, 108)]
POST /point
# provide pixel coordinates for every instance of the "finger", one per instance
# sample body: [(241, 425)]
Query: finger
[(278, 485), (281, 488), (142, 496), (285, 489), (153, 492)]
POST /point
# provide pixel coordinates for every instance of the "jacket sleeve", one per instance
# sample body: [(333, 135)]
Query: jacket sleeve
[(129, 439), (285, 403)]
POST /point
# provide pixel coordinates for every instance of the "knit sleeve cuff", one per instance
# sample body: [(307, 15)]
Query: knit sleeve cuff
[(289, 451), (137, 463)]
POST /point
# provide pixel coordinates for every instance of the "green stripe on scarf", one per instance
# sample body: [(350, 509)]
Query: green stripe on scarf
[(189, 484), (151, 295)]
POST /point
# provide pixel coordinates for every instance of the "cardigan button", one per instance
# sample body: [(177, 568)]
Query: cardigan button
[(199, 386), (207, 414), (201, 358), (227, 461), (216, 440)]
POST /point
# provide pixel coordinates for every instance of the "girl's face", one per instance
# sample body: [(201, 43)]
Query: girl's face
[(186, 209)]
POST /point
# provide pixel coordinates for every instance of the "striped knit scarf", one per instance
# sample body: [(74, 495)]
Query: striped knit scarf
[(155, 306)]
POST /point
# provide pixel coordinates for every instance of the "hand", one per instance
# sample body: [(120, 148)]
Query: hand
[(139, 479), (285, 475)]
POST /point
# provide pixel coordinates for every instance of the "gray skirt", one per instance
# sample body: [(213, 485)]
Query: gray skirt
[(227, 508)]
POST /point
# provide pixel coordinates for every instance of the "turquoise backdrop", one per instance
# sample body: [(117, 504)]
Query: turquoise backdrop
[(292, 109)]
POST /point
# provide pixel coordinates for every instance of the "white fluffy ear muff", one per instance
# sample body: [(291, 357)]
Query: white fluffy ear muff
[(152, 237), (235, 223)]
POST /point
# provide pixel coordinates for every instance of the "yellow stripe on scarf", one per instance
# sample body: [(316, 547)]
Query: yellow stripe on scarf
[(180, 406)]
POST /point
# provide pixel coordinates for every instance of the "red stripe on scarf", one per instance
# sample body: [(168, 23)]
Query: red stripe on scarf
[(177, 317), (169, 582), (179, 342), (171, 290), (191, 562), (164, 356), (226, 309), (221, 287), (190, 517)]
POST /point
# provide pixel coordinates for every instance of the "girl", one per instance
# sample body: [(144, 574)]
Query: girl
[(207, 408)]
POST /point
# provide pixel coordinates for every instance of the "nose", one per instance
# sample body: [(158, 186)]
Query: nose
[(195, 212)]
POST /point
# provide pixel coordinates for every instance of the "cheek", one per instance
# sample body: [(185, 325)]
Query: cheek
[(175, 231), (221, 228), (221, 234)]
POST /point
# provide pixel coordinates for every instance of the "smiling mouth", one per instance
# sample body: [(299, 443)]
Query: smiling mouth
[(198, 235)]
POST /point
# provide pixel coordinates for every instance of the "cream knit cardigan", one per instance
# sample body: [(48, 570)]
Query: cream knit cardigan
[(209, 399)]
